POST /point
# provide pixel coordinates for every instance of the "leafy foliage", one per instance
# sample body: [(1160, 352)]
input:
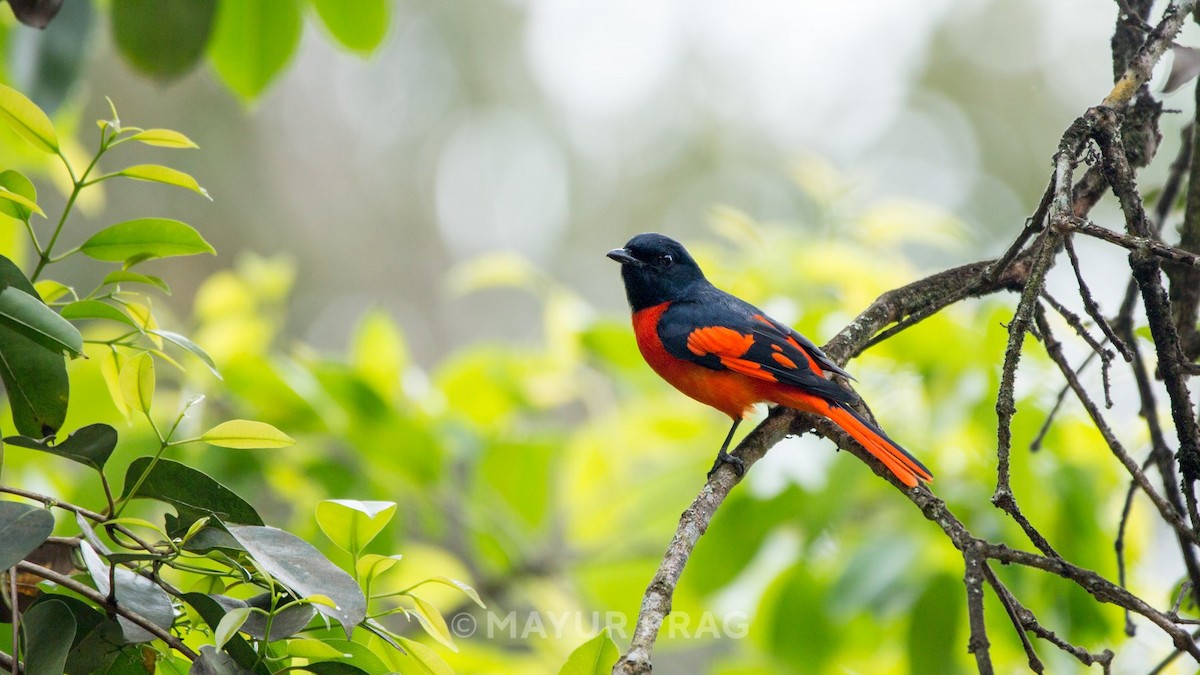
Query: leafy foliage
[(261, 599)]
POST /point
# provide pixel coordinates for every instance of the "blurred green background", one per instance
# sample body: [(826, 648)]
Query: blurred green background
[(411, 210)]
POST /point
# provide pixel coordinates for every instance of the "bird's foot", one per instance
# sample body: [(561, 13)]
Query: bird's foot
[(739, 467)]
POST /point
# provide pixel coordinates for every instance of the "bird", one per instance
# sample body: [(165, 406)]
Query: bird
[(726, 353)]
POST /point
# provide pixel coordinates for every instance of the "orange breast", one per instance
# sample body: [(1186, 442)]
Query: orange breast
[(726, 390)]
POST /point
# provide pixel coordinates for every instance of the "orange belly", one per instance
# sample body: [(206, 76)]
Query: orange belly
[(726, 390)]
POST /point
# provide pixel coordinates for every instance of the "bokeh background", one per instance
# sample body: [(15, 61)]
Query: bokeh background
[(411, 280)]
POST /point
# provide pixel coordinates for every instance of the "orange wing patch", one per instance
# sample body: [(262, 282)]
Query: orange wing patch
[(784, 361), (719, 340)]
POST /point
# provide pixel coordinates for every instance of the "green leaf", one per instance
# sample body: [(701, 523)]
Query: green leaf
[(125, 276), (50, 290), (163, 138), (253, 42), (132, 591), (137, 382), (91, 445), (148, 237), (27, 119), (162, 38), (453, 583), (212, 609), (16, 183), (23, 528), (23, 205), (49, 629), (371, 565), (229, 625), (95, 309), (285, 622), (359, 26), (597, 656), (31, 317), (351, 524), (421, 659), (304, 570), (192, 493), (157, 173), (432, 621), (307, 648), (19, 196), (189, 346), (35, 378), (246, 434)]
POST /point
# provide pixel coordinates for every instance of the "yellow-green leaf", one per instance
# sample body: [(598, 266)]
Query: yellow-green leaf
[(156, 173), (596, 656), (321, 599), (137, 382), (229, 625), (23, 202), (307, 648), (352, 524), (431, 620), (246, 434), (145, 238), (27, 119), (372, 565), (163, 138)]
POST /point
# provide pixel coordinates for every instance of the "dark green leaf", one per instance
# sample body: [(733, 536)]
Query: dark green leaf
[(95, 309), (125, 276), (304, 570), (147, 238), (36, 379), (594, 657), (211, 609), (22, 529), (192, 493), (98, 639), (133, 591), (16, 183), (213, 662), (189, 346), (335, 668), (49, 630), (162, 38), (30, 317), (90, 445), (51, 60), (360, 26), (283, 624), (253, 42)]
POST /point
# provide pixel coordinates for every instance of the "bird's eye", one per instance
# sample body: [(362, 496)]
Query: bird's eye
[(665, 260)]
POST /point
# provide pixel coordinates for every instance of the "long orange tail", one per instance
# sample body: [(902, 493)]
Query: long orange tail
[(906, 467)]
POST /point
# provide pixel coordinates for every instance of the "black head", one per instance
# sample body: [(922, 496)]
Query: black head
[(656, 269)]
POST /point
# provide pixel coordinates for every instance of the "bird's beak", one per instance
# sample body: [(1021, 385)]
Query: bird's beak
[(622, 256)]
